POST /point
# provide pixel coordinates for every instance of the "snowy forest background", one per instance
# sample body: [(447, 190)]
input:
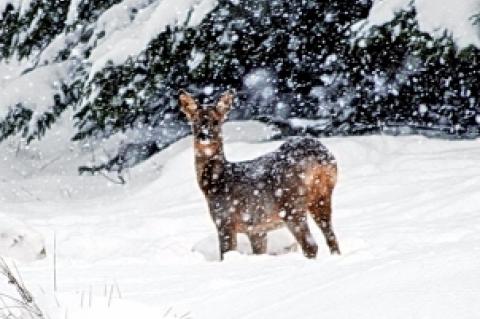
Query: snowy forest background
[(91, 86), (345, 67)]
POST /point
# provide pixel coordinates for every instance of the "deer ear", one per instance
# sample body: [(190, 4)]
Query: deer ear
[(187, 103), (225, 102)]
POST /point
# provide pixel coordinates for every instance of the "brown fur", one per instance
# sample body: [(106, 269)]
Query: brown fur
[(272, 191)]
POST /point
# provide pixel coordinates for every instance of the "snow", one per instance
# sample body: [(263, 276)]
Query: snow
[(434, 17), (19, 241), (72, 14), (305, 123), (125, 309), (405, 213), (34, 90), (196, 59), (248, 131), (24, 5), (125, 37)]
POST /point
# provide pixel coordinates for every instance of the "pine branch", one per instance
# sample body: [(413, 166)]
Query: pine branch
[(129, 155)]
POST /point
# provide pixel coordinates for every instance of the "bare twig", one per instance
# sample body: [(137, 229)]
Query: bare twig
[(54, 261), (167, 312), (90, 297), (186, 315), (5, 308), (120, 181), (19, 276), (110, 296), (30, 193), (118, 290), (26, 301), (53, 160), (81, 299), (16, 300), (22, 291), (56, 300)]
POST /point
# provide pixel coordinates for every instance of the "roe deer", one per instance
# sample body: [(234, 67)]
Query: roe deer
[(263, 194)]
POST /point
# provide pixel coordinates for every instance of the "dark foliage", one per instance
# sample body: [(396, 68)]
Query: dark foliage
[(409, 78), (40, 23), (288, 41)]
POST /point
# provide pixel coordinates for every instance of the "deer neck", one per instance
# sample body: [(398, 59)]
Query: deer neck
[(210, 167)]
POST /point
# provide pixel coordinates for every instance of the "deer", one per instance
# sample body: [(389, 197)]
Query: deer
[(272, 191)]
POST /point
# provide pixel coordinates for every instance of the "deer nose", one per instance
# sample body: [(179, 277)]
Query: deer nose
[(204, 135)]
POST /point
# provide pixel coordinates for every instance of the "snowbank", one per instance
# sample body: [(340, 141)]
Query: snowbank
[(19, 241), (405, 212)]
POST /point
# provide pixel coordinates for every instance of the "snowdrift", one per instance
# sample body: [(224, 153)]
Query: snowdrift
[(405, 212), (19, 241)]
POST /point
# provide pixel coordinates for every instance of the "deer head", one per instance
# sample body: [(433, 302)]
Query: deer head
[(206, 121)]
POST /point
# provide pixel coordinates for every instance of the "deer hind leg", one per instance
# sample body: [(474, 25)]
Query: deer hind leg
[(321, 211), (258, 242), (299, 228)]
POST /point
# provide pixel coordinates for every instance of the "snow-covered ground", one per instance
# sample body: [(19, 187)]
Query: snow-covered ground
[(406, 212)]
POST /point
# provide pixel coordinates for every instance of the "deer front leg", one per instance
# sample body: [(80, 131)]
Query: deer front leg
[(224, 221), (227, 239), (258, 242)]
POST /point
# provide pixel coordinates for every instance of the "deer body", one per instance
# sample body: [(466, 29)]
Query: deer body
[(263, 194)]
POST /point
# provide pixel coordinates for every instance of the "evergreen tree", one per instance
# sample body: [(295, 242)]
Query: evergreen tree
[(408, 78), (282, 45), (24, 33), (29, 32), (297, 58)]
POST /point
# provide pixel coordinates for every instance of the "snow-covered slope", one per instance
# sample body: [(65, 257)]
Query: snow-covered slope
[(405, 211)]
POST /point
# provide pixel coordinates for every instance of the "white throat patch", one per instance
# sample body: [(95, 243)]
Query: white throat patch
[(205, 142), (208, 151)]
